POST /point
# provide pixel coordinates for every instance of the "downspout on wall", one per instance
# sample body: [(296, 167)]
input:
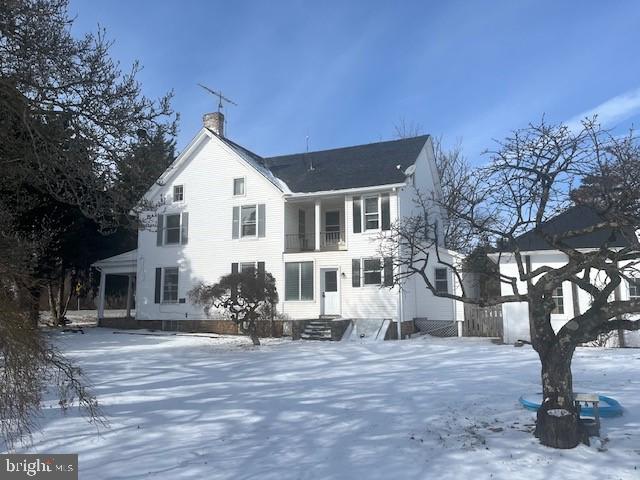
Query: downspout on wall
[(400, 291)]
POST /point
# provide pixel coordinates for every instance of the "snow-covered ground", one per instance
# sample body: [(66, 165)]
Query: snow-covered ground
[(194, 407)]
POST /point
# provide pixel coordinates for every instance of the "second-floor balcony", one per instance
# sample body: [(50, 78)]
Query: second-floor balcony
[(315, 225), (303, 242)]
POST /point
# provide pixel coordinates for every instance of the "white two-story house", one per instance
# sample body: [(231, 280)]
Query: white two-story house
[(313, 220)]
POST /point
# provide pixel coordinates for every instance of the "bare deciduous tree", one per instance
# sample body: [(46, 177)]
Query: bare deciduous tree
[(529, 180), (70, 120)]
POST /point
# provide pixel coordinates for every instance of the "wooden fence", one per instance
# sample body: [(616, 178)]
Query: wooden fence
[(482, 321)]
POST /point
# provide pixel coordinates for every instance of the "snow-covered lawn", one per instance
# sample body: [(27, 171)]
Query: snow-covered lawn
[(192, 407)]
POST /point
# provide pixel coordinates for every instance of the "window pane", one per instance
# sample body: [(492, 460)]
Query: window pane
[(634, 288), (372, 222), (173, 221), (372, 278), (371, 264), (306, 272), (291, 281), (248, 267), (331, 281), (238, 186), (559, 300), (172, 229), (248, 218), (332, 221), (372, 271), (170, 288), (178, 193), (371, 205), (442, 280)]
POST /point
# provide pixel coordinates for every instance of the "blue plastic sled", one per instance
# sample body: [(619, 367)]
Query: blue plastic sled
[(608, 407)]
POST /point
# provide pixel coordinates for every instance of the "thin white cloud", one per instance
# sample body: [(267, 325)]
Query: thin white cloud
[(613, 111)]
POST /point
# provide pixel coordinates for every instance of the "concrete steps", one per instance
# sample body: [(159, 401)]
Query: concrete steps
[(317, 330)]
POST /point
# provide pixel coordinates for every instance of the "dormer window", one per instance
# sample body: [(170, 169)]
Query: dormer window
[(178, 193), (238, 186)]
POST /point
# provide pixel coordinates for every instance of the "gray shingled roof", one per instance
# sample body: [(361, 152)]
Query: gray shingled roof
[(573, 218), (368, 165)]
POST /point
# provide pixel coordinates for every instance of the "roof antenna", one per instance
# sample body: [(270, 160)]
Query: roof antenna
[(215, 121), (220, 96), (307, 159)]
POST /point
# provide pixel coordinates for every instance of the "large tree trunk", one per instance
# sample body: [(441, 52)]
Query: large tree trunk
[(558, 424)]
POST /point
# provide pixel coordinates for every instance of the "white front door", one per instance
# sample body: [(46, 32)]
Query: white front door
[(330, 291)]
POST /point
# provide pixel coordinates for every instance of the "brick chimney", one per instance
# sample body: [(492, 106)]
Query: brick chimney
[(215, 122)]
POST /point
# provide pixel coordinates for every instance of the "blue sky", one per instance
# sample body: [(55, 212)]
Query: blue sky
[(347, 72)]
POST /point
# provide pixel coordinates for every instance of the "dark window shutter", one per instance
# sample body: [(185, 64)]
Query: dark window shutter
[(261, 270), (160, 230), (386, 214), (235, 226), (357, 215), (261, 220), (234, 269), (158, 285), (388, 272), (355, 272), (185, 228)]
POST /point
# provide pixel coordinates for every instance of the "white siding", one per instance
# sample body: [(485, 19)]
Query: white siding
[(207, 174), (418, 300), (516, 315), (366, 301), (208, 186)]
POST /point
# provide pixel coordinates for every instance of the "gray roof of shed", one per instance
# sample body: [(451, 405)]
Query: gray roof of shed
[(573, 218)]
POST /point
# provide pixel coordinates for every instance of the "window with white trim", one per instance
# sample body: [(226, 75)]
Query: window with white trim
[(634, 288), (170, 285), (248, 221), (372, 271), (238, 186), (172, 229), (558, 298), (178, 193), (371, 213), (298, 281), (441, 280), (248, 267)]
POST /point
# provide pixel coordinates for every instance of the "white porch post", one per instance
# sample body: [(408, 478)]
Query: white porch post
[(101, 290), (129, 289), (318, 223)]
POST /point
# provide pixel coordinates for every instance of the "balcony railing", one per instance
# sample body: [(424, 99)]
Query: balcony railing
[(304, 242), (299, 242)]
